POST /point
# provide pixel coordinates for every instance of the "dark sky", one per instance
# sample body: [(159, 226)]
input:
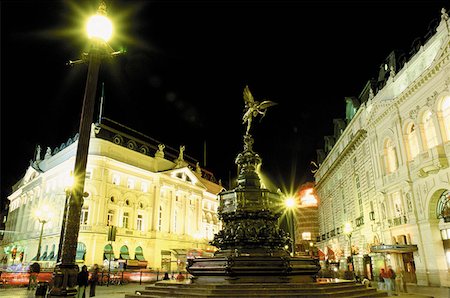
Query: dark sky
[(186, 66)]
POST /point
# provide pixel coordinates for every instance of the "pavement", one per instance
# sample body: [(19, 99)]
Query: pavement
[(119, 291)]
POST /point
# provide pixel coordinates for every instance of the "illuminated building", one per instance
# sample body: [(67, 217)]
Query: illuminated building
[(386, 168), (162, 203)]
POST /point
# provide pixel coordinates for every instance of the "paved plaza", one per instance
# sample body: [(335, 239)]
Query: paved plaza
[(119, 291)]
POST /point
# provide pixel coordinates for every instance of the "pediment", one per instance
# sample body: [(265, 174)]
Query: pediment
[(30, 174), (184, 174)]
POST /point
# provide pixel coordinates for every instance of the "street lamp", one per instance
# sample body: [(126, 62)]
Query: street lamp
[(290, 203), (65, 274), (67, 184), (43, 215), (348, 229)]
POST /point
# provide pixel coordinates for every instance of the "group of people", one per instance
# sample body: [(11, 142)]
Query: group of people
[(387, 280), (83, 281)]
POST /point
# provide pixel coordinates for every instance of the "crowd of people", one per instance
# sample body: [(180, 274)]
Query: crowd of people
[(84, 281), (387, 280)]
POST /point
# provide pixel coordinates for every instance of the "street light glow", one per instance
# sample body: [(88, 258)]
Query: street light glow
[(348, 228), (289, 202), (43, 214), (99, 26)]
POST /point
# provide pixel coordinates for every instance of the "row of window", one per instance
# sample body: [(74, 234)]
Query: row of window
[(427, 135), (131, 183)]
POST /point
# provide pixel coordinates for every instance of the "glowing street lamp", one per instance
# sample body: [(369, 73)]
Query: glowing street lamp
[(43, 215), (290, 204), (65, 274), (348, 229)]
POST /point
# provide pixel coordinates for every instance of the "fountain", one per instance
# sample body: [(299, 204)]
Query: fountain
[(252, 259)]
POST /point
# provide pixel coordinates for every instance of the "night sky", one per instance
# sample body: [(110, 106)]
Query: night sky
[(185, 68)]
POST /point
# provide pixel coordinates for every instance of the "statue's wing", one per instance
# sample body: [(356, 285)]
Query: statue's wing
[(248, 97), (266, 104)]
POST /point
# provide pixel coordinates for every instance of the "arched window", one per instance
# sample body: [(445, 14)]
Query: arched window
[(391, 157), (413, 144), (429, 130), (81, 252), (446, 116), (108, 252), (124, 254), (139, 254)]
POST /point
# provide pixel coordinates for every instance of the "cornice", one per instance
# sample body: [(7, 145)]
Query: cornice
[(356, 141)]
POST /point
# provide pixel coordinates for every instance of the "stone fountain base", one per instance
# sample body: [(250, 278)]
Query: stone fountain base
[(253, 269)]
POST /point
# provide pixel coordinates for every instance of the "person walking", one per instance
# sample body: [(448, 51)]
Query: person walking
[(381, 285), (387, 280), (93, 281), (393, 276), (82, 281), (34, 271)]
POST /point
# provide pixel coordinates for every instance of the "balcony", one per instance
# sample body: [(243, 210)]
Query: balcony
[(397, 221), (430, 162)]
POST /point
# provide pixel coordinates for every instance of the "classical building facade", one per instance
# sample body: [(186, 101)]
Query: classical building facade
[(385, 171), (162, 206)]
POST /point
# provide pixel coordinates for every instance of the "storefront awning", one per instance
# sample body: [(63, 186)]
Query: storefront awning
[(396, 248), (330, 253), (321, 255)]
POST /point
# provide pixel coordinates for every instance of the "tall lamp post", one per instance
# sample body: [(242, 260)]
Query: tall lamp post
[(67, 184), (348, 229), (290, 204), (99, 29), (43, 215)]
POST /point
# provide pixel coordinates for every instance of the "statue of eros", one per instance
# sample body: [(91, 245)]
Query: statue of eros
[(253, 108)]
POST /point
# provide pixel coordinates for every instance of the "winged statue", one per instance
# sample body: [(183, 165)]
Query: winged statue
[(254, 108)]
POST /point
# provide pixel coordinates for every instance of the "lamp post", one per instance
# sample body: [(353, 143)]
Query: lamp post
[(348, 231), (290, 204), (67, 184), (99, 30), (43, 215)]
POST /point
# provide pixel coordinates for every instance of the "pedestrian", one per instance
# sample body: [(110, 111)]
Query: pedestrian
[(393, 276), (82, 281), (93, 281), (34, 270), (381, 285), (387, 281), (166, 276)]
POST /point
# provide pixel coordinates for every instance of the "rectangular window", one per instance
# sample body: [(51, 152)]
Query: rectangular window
[(130, 183), (306, 235), (144, 187), (110, 218), (84, 216), (160, 219), (175, 221), (116, 179), (89, 174), (125, 218), (139, 223)]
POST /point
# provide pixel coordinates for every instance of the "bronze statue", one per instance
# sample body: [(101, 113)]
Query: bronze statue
[(253, 108)]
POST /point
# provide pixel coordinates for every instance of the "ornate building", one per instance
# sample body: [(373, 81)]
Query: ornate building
[(385, 171), (163, 206)]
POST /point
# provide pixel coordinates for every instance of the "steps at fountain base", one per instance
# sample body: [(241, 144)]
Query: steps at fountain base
[(306, 290)]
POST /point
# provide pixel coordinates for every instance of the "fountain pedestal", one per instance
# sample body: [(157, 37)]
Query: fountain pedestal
[(251, 246)]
